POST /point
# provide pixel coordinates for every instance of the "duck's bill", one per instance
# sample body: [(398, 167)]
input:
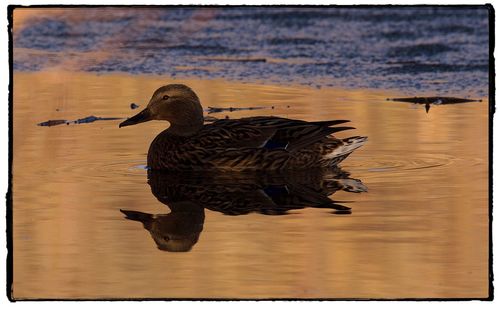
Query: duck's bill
[(143, 116)]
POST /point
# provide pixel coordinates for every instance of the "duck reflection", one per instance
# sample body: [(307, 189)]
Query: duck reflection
[(188, 194)]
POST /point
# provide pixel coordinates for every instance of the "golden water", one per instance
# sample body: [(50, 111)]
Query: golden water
[(421, 230)]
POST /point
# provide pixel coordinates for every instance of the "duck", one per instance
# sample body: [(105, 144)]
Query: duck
[(260, 143)]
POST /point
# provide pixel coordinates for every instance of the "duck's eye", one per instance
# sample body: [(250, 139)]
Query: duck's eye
[(165, 97)]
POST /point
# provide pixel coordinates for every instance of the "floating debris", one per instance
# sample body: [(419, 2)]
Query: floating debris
[(342, 212), (88, 119), (212, 110), (52, 123), (133, 106), (433, 100)]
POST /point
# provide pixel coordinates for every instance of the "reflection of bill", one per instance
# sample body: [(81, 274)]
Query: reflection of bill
[(188, 194)]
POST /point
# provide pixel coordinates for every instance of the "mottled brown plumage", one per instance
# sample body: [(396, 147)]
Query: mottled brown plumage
[(255, 143)]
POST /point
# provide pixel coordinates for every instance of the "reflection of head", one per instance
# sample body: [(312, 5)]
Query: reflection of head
[(175, 232)]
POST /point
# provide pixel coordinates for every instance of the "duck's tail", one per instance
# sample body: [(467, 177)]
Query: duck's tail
[(340, 152)]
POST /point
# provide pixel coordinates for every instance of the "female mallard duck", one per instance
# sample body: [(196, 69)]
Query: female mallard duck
[(255, 143)]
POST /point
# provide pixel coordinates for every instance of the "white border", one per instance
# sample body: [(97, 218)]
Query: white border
[(246, 304)]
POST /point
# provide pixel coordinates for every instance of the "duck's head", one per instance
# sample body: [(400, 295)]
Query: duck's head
[(175, 103)]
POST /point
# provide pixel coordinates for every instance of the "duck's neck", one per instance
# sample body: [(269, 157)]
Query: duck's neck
[(187, 121), (185, 129), (186, 126)]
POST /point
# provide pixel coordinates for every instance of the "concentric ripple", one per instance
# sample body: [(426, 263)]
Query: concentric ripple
[(394, 163)]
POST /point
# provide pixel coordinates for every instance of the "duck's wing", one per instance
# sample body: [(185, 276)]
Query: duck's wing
[(300, 136), (233, 134), (269, 132), (293, 134)]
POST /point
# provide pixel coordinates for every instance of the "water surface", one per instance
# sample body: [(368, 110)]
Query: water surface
[(414, 50), (421, 229)]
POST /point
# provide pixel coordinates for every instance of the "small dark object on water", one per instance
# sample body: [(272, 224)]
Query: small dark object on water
[(133, 106), (433, 100), (51, 123), (227, 117), (88, 119), (342, 212), (212, 110)]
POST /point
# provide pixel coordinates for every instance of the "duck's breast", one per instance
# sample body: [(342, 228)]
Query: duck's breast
[(166, 151)]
